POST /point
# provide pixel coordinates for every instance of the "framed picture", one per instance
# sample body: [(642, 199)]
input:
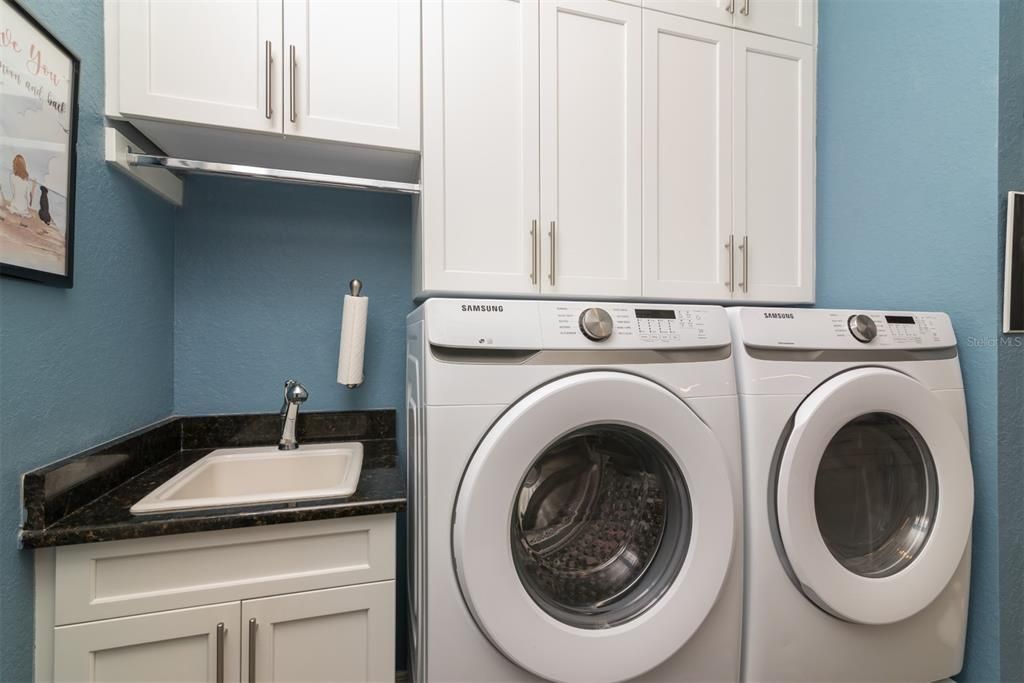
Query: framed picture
[(38, 132), (1013, 287)]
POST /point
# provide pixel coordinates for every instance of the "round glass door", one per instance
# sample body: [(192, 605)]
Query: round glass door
[(600, 526), (875, 494), (594, 528)]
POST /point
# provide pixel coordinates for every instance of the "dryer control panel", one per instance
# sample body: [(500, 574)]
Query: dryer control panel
[(513, 325), (814, 329)]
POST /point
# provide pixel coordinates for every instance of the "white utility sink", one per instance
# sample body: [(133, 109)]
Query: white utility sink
[(251, 476)]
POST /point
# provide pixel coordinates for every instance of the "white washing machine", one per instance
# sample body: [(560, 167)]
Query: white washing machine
[(575, 492), (859, 495)]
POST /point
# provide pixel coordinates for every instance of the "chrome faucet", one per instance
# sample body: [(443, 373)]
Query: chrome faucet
[(294, 394)]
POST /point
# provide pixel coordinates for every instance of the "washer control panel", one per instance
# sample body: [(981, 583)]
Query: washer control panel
[(618, 325), (806, 328), (536, 325)]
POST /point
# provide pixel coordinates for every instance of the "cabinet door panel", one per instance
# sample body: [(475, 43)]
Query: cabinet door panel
[(163, 647), (356, 71), (330, 636), (591, 147), (790, 19), (201, 61), (774, 145), (687, 158), (480, 185)]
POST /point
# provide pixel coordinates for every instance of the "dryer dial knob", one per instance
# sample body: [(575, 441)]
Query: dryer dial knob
[(863, 328), (596, 324)]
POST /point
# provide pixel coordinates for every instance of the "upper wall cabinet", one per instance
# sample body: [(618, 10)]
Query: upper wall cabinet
[(199, 77), (480, 201), (590, 147), (773, 144), (790, 19), (688, 200), (531, 148), (197, 61), (352, 71)]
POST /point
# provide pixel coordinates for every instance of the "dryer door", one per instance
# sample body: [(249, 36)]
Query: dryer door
[(594, 528), (875, 496)]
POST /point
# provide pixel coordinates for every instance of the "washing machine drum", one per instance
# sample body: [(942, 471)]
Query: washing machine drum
[(874, 496), (594, 528)]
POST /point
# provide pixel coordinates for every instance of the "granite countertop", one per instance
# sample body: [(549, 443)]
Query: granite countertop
[(87, 497)]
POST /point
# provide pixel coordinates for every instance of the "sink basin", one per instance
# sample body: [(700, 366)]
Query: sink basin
[(252, 476)]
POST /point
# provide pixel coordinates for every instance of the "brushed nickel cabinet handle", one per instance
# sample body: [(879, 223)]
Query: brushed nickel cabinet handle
[(533, 252), (221, 631), (291, 96), (269, 63), (252, 650), (551, 265), (745, 248), (745, 8), (731, 7), (729, 247)]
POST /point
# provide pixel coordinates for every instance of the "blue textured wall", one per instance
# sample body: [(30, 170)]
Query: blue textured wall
[(259, 279), (80, 366), (1011, 355), (260, 273), (907, 210)]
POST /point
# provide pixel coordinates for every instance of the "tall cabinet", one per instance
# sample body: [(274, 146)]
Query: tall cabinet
[(531, 147), (593, 148), (728, 163), (590, 159), (773, 152)]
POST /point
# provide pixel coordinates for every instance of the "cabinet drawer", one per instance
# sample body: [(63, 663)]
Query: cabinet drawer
[(120, 578)]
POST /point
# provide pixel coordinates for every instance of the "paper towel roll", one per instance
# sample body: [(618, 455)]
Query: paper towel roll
[(353, 340)]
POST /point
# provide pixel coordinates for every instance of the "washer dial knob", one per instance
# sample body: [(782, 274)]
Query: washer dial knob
[(862, 327), (596, 324)]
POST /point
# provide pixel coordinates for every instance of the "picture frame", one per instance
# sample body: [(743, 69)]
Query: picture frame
[(1013, 277), (39, 88)]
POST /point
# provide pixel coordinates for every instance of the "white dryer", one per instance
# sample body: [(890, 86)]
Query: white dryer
[(574, 492), (859, 495)]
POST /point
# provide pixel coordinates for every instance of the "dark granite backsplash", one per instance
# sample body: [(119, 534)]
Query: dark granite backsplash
[(59, 490)]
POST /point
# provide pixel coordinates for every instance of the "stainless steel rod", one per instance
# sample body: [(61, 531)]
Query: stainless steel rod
[(729, 247), (291, 82), (551, 264), (220, 652), (252, 650), (279, 175), (269, 64), (533, 252)]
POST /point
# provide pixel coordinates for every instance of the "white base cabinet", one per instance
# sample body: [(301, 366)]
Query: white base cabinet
[(199, 645), (99, 625), (338, 635)]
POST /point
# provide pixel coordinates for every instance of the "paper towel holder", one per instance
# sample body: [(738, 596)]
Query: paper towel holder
[(355, 287)]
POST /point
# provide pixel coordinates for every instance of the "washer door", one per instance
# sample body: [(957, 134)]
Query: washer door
[(594, 528), (875, 496)]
